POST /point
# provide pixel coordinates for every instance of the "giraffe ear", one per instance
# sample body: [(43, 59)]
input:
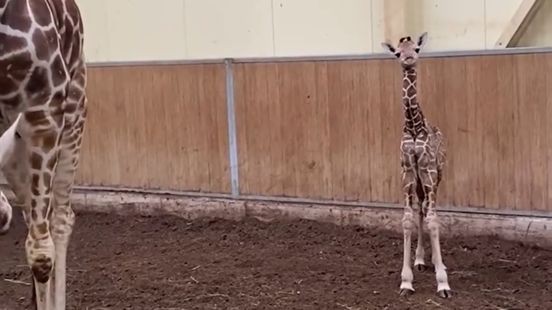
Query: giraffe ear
[(422, 40), (389, 48)]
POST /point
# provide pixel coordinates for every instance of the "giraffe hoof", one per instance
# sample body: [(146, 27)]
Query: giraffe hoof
[(41, 268), (444, 293), (421, 267), (406, 292)]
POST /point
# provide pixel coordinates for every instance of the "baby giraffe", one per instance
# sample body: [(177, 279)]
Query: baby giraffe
[(422, 161)]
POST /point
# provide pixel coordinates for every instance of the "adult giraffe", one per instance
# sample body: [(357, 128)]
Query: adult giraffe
[(43, 77)]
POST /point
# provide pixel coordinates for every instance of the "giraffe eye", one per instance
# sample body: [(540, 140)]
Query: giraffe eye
[(397, 54), (417, 50)]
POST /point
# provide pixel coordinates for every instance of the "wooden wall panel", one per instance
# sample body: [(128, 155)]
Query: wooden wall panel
[(157, 127), (531, 135), (282, 119), (331, 129), (494, 121), (317, 129), (325, 129)]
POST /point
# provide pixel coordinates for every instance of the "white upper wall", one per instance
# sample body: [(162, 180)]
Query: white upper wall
[(127, 30), (308, 27)]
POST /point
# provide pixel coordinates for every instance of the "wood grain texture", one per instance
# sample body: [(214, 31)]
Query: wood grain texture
[(282, 141), (531, 135), (324, 126), (331, 129), (158, 127), (325, 129)]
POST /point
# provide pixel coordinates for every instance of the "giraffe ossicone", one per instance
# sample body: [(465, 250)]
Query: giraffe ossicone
[(423, 155), (42, 86)]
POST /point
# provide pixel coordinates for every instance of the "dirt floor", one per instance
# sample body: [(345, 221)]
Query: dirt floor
[(171, 263)]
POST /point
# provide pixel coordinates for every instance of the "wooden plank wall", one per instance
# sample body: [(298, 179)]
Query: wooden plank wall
[(325, 129), (157, 127), (318, 129), (331, 129)]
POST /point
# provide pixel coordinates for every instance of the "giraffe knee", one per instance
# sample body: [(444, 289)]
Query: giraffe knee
[(408, 222), (432, 223), (63, 219)]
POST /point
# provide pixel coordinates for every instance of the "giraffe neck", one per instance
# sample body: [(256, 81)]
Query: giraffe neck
[(414, 121)]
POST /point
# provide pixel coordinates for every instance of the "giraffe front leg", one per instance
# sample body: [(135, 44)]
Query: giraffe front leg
[(41, 134), (63, 220), (419, 261), (407, 276), (443, 288), (63, 217)]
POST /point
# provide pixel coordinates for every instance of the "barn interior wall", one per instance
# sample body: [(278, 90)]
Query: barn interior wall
[(325, 130), (136, 30)]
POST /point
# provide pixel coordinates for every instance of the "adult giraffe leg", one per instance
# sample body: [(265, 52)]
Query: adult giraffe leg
[(409, 179), (41, 132), (63, 217), (429, 178)]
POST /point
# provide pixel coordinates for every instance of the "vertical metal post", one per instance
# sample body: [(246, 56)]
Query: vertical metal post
[(232, 140)]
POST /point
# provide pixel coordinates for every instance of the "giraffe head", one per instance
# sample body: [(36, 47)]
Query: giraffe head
[(407, 51)]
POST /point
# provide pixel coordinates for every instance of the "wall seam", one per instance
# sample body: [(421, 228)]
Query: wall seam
[(232, 136)]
